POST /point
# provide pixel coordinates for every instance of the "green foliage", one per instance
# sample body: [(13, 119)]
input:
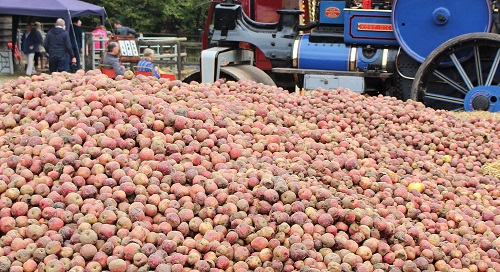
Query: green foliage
[(182, 14), (153, 16)]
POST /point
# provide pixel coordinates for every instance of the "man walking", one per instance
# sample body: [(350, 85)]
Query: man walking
[(58, 46)]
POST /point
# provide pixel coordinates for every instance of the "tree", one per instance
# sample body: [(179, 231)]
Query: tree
[(182, 15), (153, 16)]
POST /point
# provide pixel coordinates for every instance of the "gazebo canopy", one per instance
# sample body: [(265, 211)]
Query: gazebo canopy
[(65, 9)]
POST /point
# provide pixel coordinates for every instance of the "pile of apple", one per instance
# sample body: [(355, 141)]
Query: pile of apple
[(140, 174)]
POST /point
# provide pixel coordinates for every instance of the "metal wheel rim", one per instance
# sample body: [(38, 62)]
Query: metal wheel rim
[(430, 74)]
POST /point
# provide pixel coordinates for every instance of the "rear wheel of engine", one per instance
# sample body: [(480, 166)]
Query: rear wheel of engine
[(193, 76), (246, 72), (236, 73), (461, 74)]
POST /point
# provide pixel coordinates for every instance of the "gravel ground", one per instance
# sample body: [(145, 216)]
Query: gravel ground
[(5, 78)]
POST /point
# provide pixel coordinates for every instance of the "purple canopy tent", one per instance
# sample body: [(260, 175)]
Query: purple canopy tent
[(65, 9)]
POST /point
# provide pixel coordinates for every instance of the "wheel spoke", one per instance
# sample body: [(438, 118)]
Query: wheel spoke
[(479, 71), (450, 82), (444, 98), (461, 71), (464, 64), (493, 69)]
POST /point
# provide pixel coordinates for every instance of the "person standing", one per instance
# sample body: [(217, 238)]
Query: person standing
[(101, 35), (75, 35), (40, 51), (111, 58), (58, 46), (123, 30), (30, 42)]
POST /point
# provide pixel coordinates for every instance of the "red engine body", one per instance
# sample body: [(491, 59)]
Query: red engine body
[(263, 11)]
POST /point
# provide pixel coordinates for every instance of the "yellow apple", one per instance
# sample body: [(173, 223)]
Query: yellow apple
[(419, 186)]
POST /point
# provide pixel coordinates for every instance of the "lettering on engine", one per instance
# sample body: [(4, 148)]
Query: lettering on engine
[(374, 27)]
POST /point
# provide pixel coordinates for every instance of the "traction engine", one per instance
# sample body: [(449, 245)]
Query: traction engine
[(445, 53)]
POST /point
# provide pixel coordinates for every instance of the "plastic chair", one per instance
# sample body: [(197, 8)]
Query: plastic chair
[(107, 70), (168, 75), (148, 72)]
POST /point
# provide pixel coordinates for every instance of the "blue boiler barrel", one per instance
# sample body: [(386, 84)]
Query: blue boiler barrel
[(342, 57)]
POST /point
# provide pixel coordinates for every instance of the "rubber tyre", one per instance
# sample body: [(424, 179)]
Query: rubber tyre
[(236, 73)]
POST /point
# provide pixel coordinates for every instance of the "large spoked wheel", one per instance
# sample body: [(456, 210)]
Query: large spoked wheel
[(461, 74), (236, 73)]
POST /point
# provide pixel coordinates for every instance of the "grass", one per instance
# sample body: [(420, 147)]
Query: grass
[(477, 114), (492, 168)]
